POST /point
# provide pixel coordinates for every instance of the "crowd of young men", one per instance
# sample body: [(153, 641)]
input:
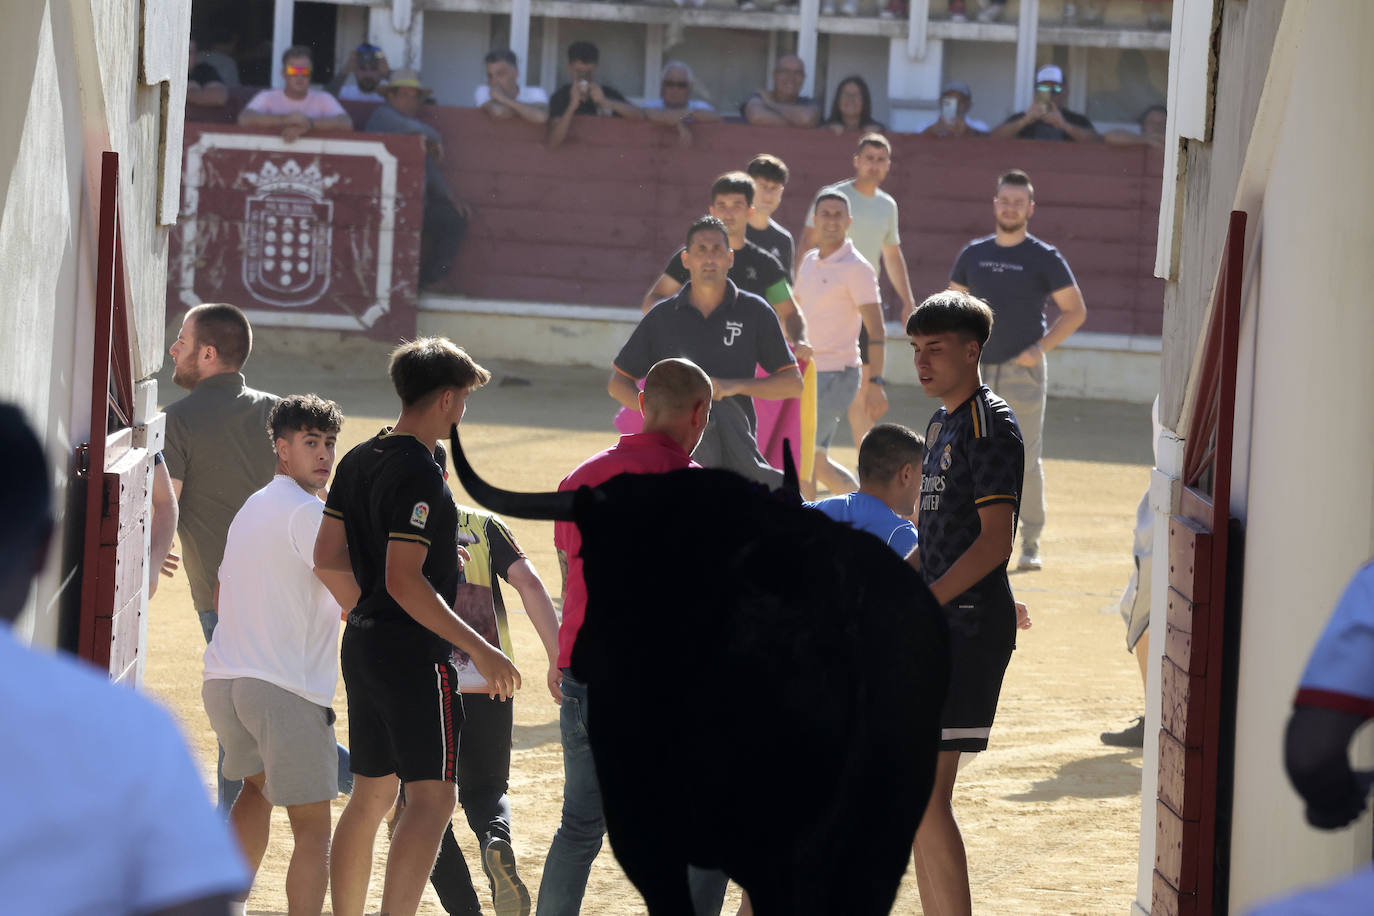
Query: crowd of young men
[(426, 649)]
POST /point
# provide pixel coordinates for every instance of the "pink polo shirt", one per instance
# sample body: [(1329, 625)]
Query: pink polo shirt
[(316, 104), (640, 453), (829, 291)]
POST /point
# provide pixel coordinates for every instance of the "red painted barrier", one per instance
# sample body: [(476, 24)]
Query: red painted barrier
[(594, 221), (322, 233)]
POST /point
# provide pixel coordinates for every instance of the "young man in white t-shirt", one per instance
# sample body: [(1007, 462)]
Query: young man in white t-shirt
[(502, 96), (271, 667)]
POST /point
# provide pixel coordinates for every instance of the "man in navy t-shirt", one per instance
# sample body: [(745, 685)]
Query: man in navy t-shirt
[(1015, 273)]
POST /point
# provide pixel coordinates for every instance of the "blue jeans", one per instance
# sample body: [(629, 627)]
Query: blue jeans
[(229, 789), (578, 838)]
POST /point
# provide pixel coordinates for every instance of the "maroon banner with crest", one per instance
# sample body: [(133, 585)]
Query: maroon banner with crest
[(320, 233)]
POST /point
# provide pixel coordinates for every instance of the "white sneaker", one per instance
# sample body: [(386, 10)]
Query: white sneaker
[(1030, 559), (850, 7)]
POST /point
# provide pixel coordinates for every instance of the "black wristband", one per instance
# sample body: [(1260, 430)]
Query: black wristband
[(878, 380)]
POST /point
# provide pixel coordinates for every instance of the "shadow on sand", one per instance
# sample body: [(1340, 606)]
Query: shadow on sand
[(1112, 775)]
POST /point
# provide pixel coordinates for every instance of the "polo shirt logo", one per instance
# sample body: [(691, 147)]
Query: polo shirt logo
[(419, 515), (733, 329)]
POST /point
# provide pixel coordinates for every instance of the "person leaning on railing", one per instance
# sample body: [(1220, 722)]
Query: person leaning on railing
[(296, 108)]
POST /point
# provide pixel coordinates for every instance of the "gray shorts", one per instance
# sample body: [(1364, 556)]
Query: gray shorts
[(267, 729), (835, 391)]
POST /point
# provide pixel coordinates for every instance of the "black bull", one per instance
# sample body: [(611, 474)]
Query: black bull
[(764, 688)]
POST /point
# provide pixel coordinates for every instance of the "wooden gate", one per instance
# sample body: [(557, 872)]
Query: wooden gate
[(1197, 731), (117, 474)]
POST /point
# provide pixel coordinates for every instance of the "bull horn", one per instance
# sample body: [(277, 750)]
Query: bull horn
[(557, 507), (791, 483)]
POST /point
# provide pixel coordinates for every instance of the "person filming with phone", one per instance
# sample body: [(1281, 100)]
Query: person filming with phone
[(955, 102), (1046, 119)]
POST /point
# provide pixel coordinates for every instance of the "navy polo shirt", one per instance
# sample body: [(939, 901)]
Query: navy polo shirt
[(740, 334)]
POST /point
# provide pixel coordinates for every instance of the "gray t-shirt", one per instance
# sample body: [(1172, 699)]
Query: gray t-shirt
[(218, 447), (875, 220)]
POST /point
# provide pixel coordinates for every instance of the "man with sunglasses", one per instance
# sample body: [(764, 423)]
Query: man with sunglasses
[(296, 108), (1046, 119)]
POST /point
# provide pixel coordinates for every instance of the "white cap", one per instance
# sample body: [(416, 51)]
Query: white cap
[(1049, 74)]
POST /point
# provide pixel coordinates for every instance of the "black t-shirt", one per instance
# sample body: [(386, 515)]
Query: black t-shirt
[(775, 240), (974, 458), (754, 271), (1039, 130), (204, 74), (390, 488), (1015, 281), (562, 97), (742, 333)]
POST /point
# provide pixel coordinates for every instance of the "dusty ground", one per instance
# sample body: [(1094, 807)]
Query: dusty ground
[(1050, 816)]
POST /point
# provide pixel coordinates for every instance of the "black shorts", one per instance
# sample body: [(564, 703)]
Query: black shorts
[(404, 709), (975, 682)]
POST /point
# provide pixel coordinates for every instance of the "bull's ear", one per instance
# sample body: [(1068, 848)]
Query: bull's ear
[(791, 483), (557, 507)]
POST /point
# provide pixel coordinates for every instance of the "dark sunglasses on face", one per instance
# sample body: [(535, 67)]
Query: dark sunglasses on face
[(1055, 88)]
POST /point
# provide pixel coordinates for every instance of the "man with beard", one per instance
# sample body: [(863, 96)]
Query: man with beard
[(217, 452), (1015, 272), (367, 63)]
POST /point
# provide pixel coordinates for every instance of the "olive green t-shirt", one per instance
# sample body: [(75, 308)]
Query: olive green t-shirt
[(218, 447)]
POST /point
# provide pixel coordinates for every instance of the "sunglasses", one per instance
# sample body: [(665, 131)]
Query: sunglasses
[(1055, 88), (297, 71), (676, 84)]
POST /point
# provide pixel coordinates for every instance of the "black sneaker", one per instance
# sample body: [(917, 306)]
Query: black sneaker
[(1130, 736), (509, 895)]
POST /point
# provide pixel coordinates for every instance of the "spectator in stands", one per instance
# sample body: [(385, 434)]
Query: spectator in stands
[(223, 43), (852, 109), (1045, 119), (770, 176), (1152, 121), (783, 105), (583, 95), (368, 66), (503, 97), (955, 102), (296, 108), (675, 106), (203, 85), (446, 216)]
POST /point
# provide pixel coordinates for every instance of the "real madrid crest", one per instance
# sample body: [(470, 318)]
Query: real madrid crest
[(946, 458)]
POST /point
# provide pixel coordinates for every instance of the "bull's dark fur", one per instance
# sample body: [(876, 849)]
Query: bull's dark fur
[(764, 691)]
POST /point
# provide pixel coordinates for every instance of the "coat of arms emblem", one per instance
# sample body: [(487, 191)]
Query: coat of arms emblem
[(288, 232)]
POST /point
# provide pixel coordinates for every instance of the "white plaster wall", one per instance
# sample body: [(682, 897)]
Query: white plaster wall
[(40, 179), (70, 88), (1310, 489)]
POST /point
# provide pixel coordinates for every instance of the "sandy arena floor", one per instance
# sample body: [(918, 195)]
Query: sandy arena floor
[(1050, 816)]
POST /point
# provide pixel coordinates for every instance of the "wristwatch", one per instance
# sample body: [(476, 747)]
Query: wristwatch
[(878, 380)]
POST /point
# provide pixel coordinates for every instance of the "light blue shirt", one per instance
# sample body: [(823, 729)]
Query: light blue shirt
[(871, 514)]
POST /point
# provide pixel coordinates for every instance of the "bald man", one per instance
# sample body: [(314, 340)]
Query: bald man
[(676, 402)]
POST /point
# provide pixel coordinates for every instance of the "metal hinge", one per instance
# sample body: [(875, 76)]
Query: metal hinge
[(83, 461)]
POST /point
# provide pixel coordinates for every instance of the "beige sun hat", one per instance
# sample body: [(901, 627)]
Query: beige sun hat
[(404, 78)]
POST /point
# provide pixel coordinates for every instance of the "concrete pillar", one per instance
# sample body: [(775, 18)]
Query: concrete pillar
[(913, 84), (402, 45), (283, 16), (550, 58), (918, 17), (1027, 29), (520, 32), (653, 58), (807, 36)]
